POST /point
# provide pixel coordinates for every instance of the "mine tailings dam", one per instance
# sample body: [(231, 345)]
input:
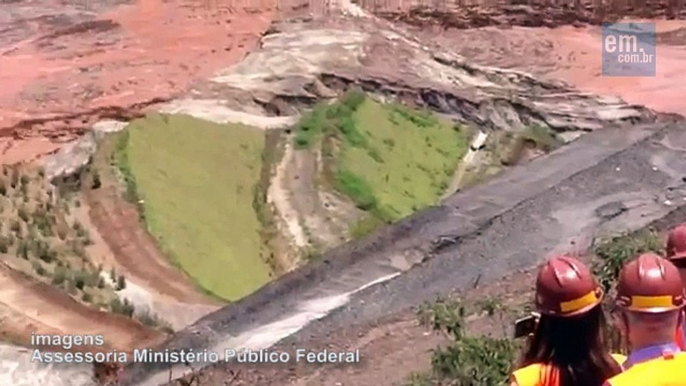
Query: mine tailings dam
[(609, 181)]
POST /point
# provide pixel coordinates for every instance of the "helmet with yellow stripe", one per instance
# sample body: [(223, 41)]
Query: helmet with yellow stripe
[(650, 284), (566, 287)]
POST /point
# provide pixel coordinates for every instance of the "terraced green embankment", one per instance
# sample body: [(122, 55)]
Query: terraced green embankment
[(389, 159), (196, 180)]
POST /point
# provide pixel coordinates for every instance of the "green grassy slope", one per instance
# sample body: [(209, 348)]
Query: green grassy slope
[(406, 157), (389, 159), (197, 180)]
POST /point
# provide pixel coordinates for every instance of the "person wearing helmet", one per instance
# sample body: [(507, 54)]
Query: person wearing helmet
[(676, 253), (650, 296), (567, 344)]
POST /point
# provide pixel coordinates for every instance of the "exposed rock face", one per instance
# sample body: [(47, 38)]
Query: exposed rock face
[(302, 63)]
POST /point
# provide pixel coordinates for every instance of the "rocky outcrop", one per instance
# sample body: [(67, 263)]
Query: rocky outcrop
[(299, 64)]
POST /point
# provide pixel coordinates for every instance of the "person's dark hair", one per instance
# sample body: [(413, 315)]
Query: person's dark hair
[(574, 347)]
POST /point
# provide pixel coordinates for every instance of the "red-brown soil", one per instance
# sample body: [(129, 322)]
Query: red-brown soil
[(62, 69), (28, 305)]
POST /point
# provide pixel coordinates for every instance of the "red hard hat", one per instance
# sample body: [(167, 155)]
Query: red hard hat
[(676, 243), (566, 287), (650, 284)]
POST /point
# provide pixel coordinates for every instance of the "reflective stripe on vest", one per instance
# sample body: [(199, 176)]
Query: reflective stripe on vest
[(545, 375), (669, 370)]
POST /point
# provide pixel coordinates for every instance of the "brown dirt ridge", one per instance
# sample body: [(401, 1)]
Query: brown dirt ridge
[(54, 312)]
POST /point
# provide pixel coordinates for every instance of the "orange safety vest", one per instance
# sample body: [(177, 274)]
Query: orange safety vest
[(669, 370), (545, 375)]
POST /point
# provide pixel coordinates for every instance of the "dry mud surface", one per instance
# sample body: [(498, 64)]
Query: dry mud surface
[(573, 54), (65, 66)]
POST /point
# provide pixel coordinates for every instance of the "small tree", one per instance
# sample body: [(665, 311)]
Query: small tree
[(23, 214), (38, 267), (23, 250), (14, 181), (113, 275), (59, 276), (80, 279), (3, 188), (15, 227), (128, 308), (4, 245), (96, 183), (121, 283)]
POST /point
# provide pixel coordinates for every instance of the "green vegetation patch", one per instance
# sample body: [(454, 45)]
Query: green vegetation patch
[(197, 183), (389, 159), (469, 359), (542, 137), (612, 253), (406, 157)]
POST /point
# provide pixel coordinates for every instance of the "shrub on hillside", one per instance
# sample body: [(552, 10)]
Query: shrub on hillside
[(23, 250), (96, 183), (15, 227), (121, 282), (468, 360), (4, 244), (612, 253), (38, 267), (59, 276), (23, 214), (123, 308)]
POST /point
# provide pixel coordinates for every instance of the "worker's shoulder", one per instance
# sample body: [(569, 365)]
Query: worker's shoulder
[(652, 371)]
